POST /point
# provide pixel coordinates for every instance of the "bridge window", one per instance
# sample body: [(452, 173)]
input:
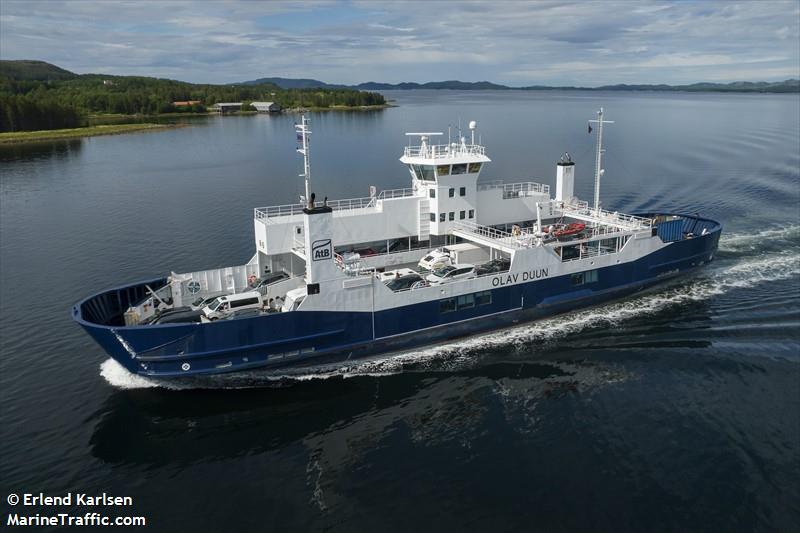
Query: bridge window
[(460, 169), (474, 167), (443, 170), (452, 192), (462, 215), (471, 213), (424, 172), (432, 193), (442, 217), (462, 191)]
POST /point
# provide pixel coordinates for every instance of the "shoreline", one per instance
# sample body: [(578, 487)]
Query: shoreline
[(173, 114), (17, 137), (96, 130)]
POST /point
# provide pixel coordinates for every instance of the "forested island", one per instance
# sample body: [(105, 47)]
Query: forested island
[(35, 95)]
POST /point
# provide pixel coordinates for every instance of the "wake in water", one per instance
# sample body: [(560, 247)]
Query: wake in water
[(744, 261)]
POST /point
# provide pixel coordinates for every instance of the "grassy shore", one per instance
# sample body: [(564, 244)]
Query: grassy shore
[(116, 129), (340, 108), (74, 133), (115, 116)]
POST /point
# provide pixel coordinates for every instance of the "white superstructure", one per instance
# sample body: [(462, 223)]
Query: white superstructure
[(339, 248)]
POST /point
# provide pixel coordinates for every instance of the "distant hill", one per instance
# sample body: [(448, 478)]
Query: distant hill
[(786, 86), (307, 83), (294, 83), (25, 69), (35, 95), (450, 84)]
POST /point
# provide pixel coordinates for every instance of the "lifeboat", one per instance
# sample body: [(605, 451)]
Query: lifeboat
[(565, 230)]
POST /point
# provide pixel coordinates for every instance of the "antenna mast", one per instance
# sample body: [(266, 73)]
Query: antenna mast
[(598, 162), (302, 136)]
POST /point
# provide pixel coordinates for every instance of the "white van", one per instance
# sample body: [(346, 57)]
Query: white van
[(436, 259), (293, 299), (466, 252), (389, 275), (225, 305)]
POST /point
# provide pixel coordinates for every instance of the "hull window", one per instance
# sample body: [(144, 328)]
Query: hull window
[(582, 278)]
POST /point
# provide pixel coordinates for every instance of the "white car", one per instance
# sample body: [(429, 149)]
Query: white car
[(449, 273), (389, 275), (436, 259)]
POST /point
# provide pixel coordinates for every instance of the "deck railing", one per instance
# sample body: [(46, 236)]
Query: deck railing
[(396, 193), (516, 190), (442, 151), (590, 251), (602, 216), (494, 234), (348, 204)]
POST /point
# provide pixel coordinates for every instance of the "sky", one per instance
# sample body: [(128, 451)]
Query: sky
[(517, 43)]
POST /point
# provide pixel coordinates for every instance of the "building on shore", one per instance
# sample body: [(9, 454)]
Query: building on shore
[(267, 107), (226, 107), (186, 103)]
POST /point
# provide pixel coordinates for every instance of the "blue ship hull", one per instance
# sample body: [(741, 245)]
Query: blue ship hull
[(302, 338)]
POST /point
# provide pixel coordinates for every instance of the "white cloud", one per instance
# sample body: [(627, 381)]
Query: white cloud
[(541, 42)]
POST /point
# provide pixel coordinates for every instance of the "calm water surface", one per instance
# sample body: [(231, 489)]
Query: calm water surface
[(675, 410)]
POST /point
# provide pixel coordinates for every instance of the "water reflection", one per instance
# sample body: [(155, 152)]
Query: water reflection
[(39, 151), (158, 427)]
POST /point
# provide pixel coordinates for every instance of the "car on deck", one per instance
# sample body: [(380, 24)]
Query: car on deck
[(436, 259), (409, 281), (495, 265), (450, 273)]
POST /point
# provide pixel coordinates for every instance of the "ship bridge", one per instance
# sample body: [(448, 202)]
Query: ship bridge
[(444, 196)]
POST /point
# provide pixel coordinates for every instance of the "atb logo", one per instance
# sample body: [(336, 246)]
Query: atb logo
[(321, 250)]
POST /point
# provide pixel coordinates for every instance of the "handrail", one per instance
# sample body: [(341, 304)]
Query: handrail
[(503, 237), (516, 190), (603, 216), (396, 193), (347, 204), (441, 151)]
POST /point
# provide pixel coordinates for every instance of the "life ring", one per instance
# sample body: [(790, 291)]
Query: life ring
[(251, 279)]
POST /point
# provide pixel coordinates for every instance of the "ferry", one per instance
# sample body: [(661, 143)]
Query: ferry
[(449, 256)]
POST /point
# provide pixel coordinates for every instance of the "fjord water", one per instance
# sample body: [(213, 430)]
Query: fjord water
[(678, 409)]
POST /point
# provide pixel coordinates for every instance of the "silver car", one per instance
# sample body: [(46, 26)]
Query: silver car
[(449, 273)]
